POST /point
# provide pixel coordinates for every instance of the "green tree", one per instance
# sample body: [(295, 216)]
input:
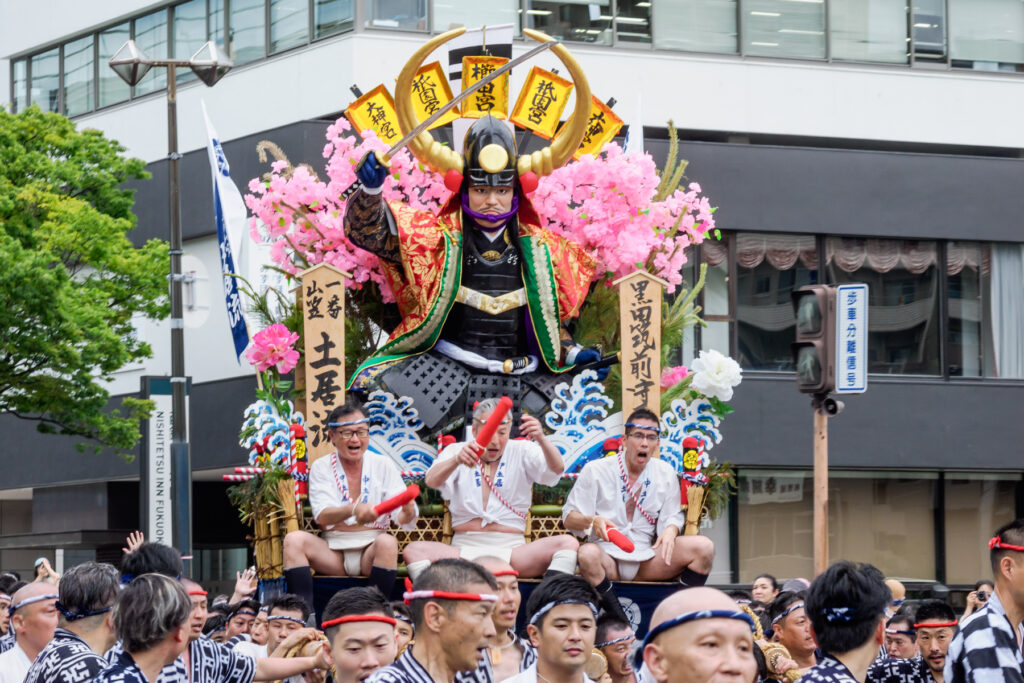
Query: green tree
[(70, 279)]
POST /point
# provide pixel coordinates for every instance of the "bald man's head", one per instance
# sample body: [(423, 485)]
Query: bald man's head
[(509, 597), (35, 622), (675, 655)]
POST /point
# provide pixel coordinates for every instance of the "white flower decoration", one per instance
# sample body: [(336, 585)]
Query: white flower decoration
[(714, 375)]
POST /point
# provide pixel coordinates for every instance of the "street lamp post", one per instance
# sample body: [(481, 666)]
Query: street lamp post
[(210, 64)]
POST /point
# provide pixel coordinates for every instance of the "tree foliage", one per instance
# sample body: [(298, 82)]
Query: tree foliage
[(70, 279)]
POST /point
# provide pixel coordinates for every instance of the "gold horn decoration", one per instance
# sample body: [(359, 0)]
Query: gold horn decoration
[(544, 161), (425, 148)]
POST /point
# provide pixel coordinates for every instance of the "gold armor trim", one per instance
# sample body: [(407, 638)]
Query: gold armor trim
[(490, 304)]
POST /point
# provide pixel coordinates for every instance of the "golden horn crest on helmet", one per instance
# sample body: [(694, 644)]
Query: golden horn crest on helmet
[(442, 159)]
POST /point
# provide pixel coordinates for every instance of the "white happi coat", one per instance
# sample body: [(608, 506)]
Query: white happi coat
[(328, 487), (522, 465), (601, 490)]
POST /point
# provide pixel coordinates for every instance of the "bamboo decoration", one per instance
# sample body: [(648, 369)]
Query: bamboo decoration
[(261, 543), (694, 507), (286, 495)]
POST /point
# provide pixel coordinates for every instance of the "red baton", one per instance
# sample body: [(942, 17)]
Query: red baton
[(620, 539), (395, 502), (496, 418)]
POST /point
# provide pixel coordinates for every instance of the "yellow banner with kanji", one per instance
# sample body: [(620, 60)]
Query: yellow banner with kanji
[(490, 99), (376, 111), (430, 92), (541, 102), (602, 126)]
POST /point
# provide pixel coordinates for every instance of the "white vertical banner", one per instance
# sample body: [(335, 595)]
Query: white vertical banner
[(155, 467)]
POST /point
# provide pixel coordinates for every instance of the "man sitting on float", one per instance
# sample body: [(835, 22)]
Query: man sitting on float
[(638, 495), (483, 289), (489, 492), (344, 487)]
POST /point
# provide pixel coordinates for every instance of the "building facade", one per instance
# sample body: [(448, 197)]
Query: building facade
[(871, 141)]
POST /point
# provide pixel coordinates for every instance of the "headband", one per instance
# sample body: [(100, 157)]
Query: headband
[(997, 543), (843, 615), (638, 658), (282, 617), (197, 592), (895, 631), (222, 627), (506, 572), (75, 616), (448, 595), (742, 601), (539, 614), (896, 603), (5, 596), (944, 624), (623, 639), (29, 601), (355, 617), (639, 426), (365, 420), (786, 612), (402, 617), (241, 611)]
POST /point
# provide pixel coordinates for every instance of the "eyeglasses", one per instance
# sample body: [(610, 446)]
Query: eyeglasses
[(645, 437), (349, 433)]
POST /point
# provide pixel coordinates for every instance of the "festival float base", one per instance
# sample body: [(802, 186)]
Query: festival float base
[(579, 424)]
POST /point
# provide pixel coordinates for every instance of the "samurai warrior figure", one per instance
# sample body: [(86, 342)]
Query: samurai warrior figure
[(484, 290)]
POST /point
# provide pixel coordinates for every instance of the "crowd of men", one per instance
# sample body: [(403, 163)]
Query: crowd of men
[(458, 616)]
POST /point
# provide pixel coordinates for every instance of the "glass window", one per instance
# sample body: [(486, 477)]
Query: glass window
[(714, 297), (903, 304), (976, 505), (151, 37), (248, 24), (967, 264), (696, 25), (633, 21), (218, 32), (19, 99), (775, 523), (189, 33), (928, 21), (588, 22), (769, 268), (289, 24), (45, 87), (1005, 312), (112, 88), (986, 35), (882, 518), (471, 14), (333, 16), (779, 28), (410, 15), (869, 30), (78, 77)]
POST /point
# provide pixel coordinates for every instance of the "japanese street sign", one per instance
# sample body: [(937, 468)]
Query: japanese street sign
[(851, 339)]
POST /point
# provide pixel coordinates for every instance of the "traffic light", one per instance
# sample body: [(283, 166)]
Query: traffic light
[(814, 349)]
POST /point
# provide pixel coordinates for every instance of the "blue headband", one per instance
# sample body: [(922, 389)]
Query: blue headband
[(29, 601), (647, 427), (75, 616), (789, 610), (365, 420), (638, 658), (843, 615)]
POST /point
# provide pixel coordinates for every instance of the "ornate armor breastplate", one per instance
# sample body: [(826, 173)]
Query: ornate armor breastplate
[(488, 317)]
